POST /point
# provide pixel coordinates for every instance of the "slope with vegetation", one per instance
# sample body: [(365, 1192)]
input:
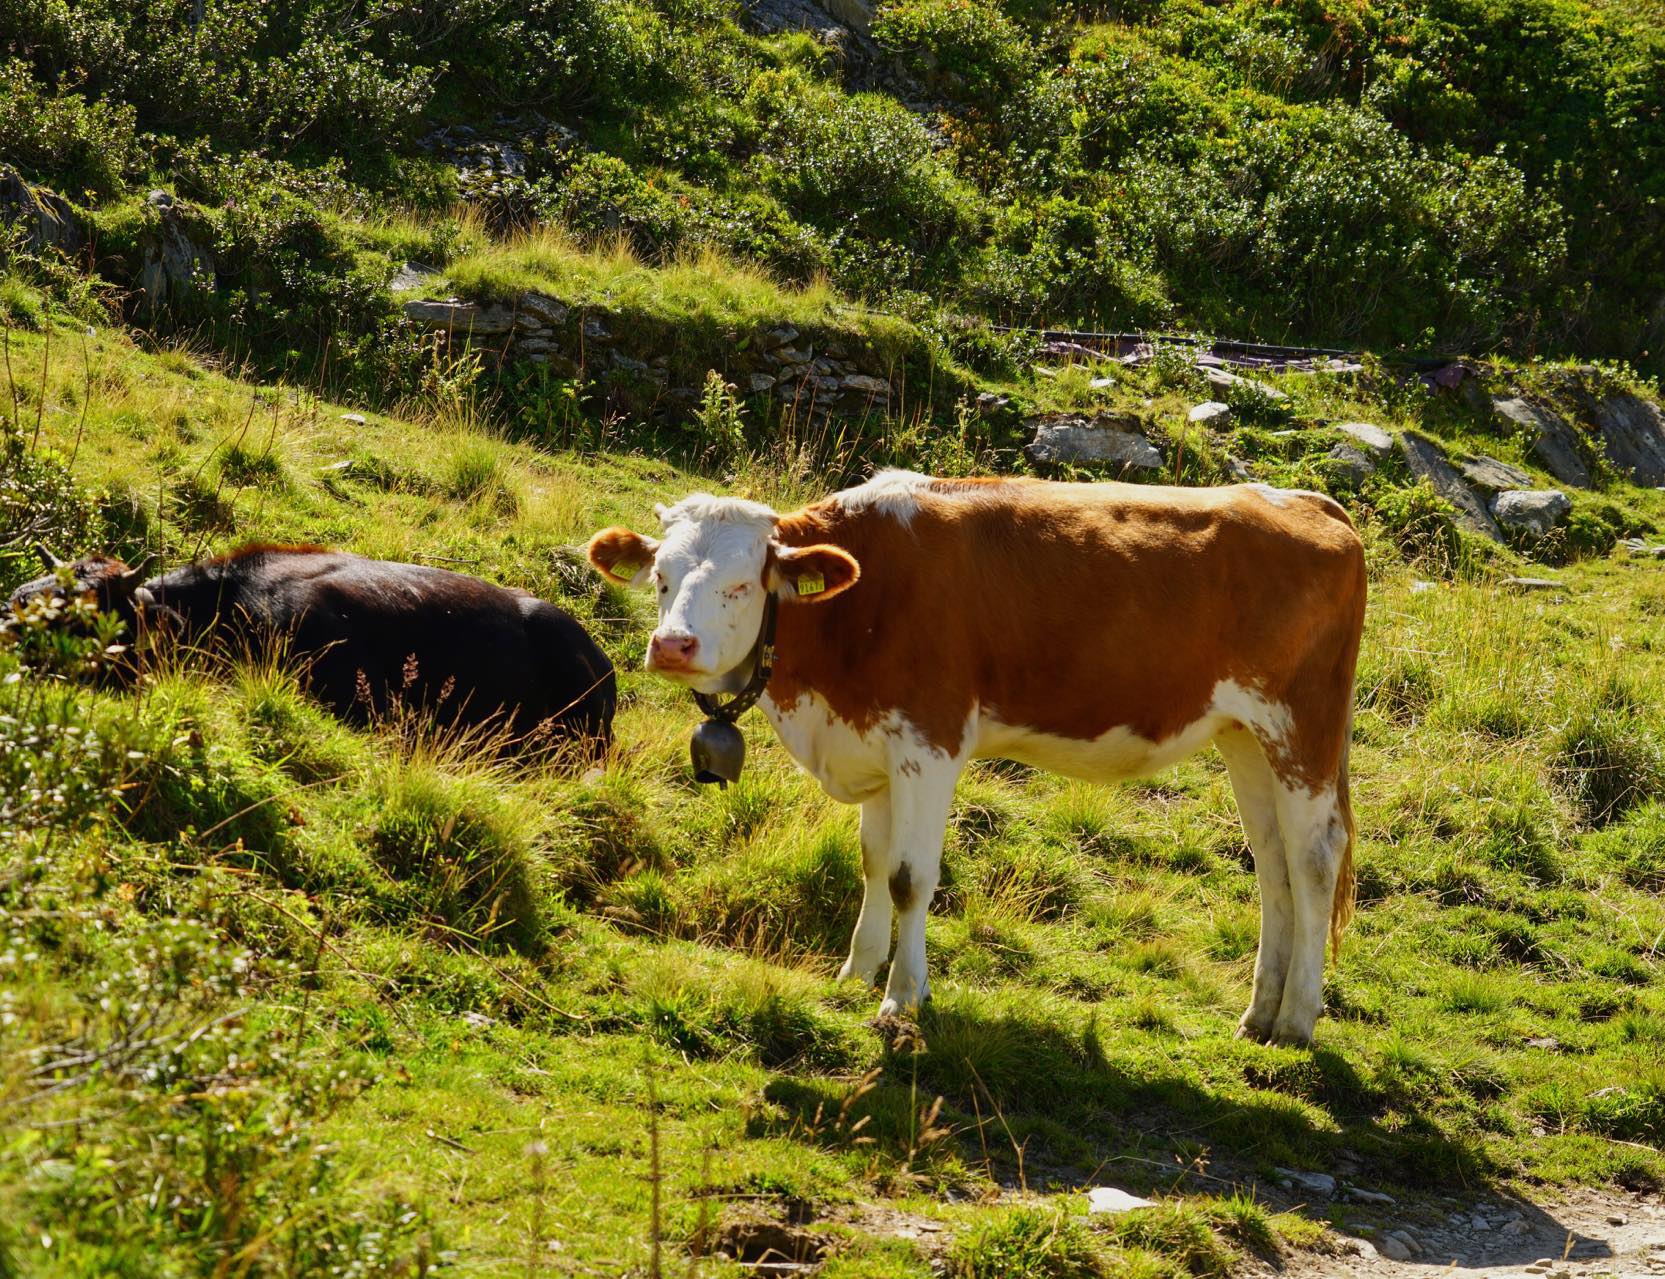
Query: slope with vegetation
[(283, 997)]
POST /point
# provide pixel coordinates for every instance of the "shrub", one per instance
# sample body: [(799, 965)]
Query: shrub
[(969, 46), (1423, 524), (1608, 760), (82, 149)]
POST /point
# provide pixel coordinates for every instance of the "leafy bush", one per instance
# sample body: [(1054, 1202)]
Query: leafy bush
[(971, 44), (82, 148)]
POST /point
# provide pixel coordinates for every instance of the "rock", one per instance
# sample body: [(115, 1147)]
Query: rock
[(1633, 435), (1358, 1194), (1517, 1226), (1419, 587), (865, 384), (534, 346), (541, 306), (988, 403), (1070, 437), (410, 277), (1101, 383), (1534, 512), (792, 355), (47, 219), (1317, 1183), (1548, 1043), (1615, 1219), (1406, 1239), (1391, 1248), (1489, 473), (1554, 443), (1524, 584), (1210, 413), (357, 419), (1639, 546), (1239, 470), (783, 335), (1352, 464), (761, 383), (175, 267), (1058, 349), (595, 330), (463, 318), (1109, 1199), (1373, 439), (1225, 380), (1427, 461), (625, 364)]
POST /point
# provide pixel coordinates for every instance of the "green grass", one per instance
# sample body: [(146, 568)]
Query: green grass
[(467, 997)]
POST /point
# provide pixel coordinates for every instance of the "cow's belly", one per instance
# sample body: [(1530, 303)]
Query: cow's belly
[(851, 766), (1119, 753), (1122, 753)]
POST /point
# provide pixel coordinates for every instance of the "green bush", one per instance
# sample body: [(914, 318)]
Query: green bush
[(80, 148), (969, 46)]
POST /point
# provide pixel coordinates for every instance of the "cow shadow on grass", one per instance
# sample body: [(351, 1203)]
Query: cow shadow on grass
[(1038, 1105)]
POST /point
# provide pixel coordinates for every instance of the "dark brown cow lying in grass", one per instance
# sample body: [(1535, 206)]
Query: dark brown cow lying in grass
[(372, 635)]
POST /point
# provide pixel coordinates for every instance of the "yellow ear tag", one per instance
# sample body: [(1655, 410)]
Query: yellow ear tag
[(808, 585)]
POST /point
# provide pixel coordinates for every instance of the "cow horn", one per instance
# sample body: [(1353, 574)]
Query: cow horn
[(131, 579), (52, 562)]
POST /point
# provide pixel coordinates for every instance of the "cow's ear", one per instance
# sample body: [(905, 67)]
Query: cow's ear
[(622, 556), (811, 573)]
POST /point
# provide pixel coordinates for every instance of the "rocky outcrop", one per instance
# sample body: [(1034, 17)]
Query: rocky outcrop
[(1075, 438), (1532, 513), (1427, 461), (1633, 436), (809, 374), (175, 268), (47, 220), (1492, 475), (1353, 466), (1554, 443), (1372, 439), (1211, 414)]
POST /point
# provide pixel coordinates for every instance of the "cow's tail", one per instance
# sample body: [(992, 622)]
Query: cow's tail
[(1346, 882)]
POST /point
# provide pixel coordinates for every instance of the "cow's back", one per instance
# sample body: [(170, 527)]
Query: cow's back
[(375, 634)]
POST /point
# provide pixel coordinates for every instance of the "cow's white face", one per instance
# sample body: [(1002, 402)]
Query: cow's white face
[(712, 571)]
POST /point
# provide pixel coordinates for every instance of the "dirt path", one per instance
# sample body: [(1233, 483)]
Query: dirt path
[(1583, 1235)]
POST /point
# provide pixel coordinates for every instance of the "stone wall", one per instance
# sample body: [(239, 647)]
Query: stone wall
[(818, 374)]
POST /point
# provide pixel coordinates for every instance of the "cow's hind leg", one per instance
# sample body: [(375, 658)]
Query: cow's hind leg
[(1256, 787), (920, 803), (870, 943), (1314, 825)]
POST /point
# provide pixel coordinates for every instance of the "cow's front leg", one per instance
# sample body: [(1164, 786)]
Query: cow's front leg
[(870, 943), (921, 797)]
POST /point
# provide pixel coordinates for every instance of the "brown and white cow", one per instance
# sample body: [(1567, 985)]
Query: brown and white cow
[(1102, 631)]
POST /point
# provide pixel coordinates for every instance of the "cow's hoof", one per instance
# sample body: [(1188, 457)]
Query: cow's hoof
[(851, 973), (1250, 1030), (1291, 1037)]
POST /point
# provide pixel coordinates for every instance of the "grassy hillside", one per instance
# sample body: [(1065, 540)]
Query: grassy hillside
[(286, 998), (1442, 175)]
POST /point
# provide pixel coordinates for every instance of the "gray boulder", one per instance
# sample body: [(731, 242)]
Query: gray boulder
[(1490, 474), (1534, 512), (1212, 414), (1106, 437), (1372, 439), (1427, 461), (1354, 466), (1633, 435), (175, 268), (46, 219), (462, 318), (1224, 380), (1554, 443)]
